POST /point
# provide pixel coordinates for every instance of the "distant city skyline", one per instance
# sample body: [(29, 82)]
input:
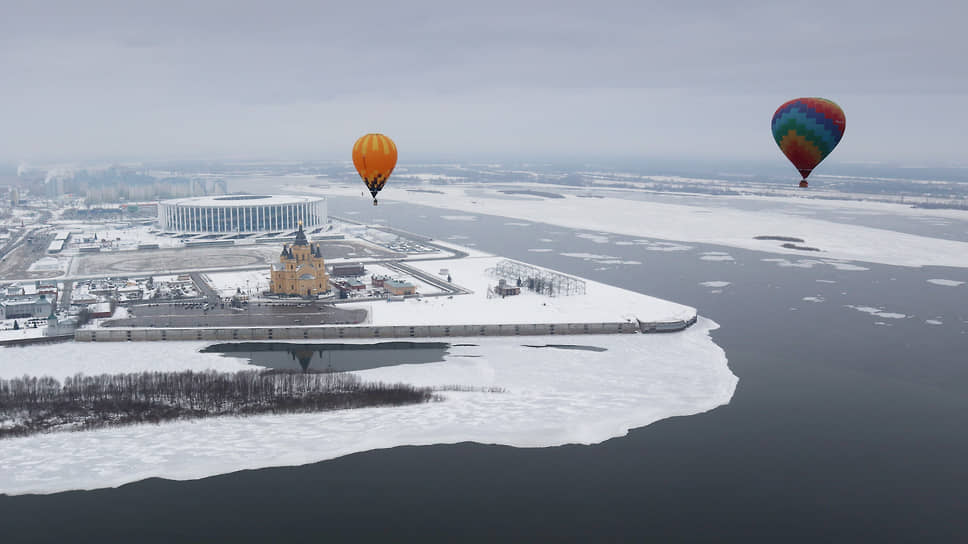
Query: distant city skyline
[(622, 80)]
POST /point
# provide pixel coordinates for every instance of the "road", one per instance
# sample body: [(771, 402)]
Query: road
[(207, 290)]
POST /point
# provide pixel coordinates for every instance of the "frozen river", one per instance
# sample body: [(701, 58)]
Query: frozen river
[(847, 423)]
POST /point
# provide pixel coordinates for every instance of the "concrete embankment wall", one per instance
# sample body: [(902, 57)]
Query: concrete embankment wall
[(369, 331)]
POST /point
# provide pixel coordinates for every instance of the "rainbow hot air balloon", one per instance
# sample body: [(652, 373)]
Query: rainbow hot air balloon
[(807, 130), (374, 157)]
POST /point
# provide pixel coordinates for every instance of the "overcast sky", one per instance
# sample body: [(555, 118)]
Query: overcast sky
[(489, 79)]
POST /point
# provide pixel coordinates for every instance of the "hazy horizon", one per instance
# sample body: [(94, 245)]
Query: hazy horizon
[(609, 81)]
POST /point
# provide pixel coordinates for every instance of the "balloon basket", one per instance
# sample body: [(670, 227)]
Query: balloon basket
[(374, 202), (803, 183)]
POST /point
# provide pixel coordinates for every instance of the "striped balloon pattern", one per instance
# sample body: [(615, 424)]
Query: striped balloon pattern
[(374, 156), (807, 130)]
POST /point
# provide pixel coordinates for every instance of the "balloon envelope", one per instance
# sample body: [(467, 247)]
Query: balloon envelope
[(807, 130), (374, 157)]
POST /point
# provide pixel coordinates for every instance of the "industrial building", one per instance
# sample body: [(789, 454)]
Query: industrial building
[(241, 213), (348, 269)]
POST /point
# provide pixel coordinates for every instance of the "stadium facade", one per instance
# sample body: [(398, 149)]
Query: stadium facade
[(241, 213)]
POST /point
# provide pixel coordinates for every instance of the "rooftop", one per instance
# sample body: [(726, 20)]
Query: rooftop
[(241, 200)]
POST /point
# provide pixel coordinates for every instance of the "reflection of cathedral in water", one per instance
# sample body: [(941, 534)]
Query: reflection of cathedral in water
[(305, 358)]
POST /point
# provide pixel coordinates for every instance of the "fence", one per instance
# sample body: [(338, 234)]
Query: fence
[(370, 331)]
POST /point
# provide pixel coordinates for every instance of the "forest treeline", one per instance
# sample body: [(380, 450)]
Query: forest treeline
[(31, 405)]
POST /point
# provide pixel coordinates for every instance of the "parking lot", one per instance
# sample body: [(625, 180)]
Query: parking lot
[(155, 261)]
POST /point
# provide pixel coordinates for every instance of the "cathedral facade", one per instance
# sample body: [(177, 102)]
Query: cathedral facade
[(300, 270)]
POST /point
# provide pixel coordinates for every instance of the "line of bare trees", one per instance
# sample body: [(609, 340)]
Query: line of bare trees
[(38, 404)]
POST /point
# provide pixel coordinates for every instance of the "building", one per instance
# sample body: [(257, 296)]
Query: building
[(399, 288), (348, 285), (345, 270), (300, 270), (241, 213), (378, 281), (505, 290), (20, 307)]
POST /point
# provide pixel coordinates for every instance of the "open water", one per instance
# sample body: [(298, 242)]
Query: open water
[(848, 425)]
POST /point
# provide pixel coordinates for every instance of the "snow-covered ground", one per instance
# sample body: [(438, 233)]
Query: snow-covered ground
[(8, 333), (229, 283), (706, 224), (552, 396), (600, 303)]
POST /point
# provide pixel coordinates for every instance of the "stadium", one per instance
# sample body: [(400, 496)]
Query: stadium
[(241, 213)]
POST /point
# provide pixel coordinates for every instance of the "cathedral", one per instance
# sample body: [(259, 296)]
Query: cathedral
[(300, 270)]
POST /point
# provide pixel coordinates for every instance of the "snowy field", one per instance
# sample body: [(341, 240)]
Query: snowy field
[(552, 396), (600, 303), (707, 224), (228, 284)]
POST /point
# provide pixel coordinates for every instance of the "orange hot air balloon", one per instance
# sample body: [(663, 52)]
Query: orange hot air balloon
[(374, 157)]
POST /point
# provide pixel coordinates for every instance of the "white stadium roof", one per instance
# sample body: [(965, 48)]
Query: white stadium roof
[(227, 201)]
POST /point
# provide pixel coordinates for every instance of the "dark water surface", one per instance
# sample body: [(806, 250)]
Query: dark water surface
[(845, 426), (332, 357)]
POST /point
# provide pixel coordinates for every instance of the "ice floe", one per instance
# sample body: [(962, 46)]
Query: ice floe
[(946, 283), (879, 312), (551, 397)]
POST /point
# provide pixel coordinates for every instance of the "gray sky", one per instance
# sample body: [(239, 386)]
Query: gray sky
[(644, 79)]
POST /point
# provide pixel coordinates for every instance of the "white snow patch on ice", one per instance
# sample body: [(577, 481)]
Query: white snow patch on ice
[(541, 250), (617, 261), (879, 312), (946, 283), (934, 322), (666, 246), (459, 217), (517, 224), (552, 397), (716, 256), (802, 263), (715, 283), (597, 238), (586, 256), (846, 266), (817, 298)]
